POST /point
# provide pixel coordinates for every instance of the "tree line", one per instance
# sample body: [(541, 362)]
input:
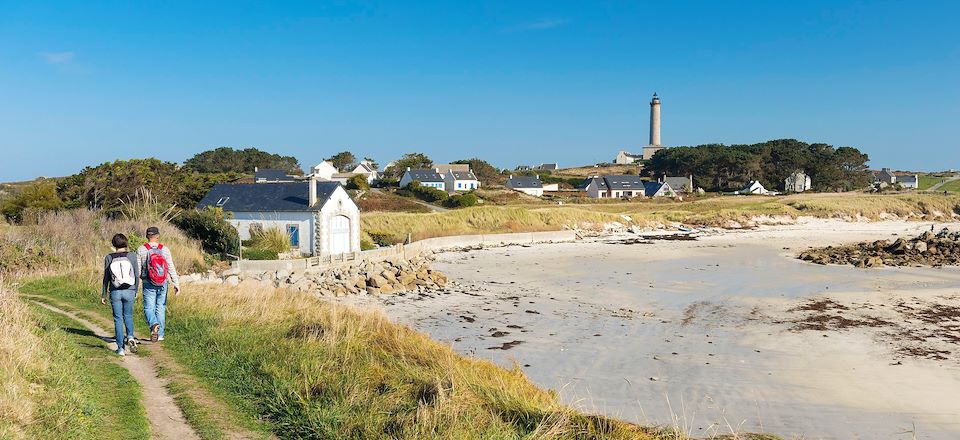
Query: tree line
[(718, 167)]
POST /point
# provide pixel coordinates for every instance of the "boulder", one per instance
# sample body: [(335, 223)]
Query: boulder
[(232, 280), (231, 272)]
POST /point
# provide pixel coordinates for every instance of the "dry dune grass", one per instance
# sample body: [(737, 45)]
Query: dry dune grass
[(708, 211), (329, 371), (22, 359), (79, 238)]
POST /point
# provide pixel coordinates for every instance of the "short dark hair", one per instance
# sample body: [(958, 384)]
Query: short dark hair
[(119, 241), (153, 231)]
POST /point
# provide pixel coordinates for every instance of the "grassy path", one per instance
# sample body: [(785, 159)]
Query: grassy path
[(166, 419)]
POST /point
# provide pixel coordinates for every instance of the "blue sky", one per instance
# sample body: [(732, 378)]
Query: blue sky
[(511, 82)]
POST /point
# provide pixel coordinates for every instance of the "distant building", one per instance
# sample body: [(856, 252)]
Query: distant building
[(885, 176), (614, 187), (523, 168), (526, 184), (547, 167), (426, 177), (447, 167), (658, 189), (324, 171), (754, 187), (680, 184), (460, 181), (626, 158), (797, 182), (271, 176), (908, 182)]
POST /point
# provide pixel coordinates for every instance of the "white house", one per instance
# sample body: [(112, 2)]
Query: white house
[(680, 184), (431, 178), (798, 181), (366, 168), (658, 189), (460, 181), (909, 182), (885, 176), (319, 217), (626, 158), (324, 171), (526, 184), (754, 187), (614, 187), (444, 168)]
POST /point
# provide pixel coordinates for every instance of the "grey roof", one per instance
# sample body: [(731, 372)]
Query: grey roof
[(272, 176), (425, 175), (516, 182), (252, 197), (907, 179), (650, 189), (547, 166), (463, 175), (623, 181), (678, 182), (601, 184)]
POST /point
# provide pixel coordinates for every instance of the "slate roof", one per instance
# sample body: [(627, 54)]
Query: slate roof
[(547, 166), (425, 175), (678, 183), (463, 175), (272, 176), (277, 197), (520, 182), (601, 184), (651, 189), (907, 179), (623, 181)]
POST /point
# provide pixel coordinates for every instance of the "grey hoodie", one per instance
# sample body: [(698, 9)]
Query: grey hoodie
[(173, 278), (108, 278)]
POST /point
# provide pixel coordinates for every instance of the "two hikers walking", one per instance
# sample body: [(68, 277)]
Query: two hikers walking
[(151, 268)]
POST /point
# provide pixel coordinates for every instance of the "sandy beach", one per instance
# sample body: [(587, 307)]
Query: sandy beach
[(729, 332)]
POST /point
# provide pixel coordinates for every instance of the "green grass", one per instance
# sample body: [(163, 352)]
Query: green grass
[(953, 187), (89, 395), (317, 370), (197, 405), (928, 180)]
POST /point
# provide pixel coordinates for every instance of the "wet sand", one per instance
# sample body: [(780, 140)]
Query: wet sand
[(725, 333)]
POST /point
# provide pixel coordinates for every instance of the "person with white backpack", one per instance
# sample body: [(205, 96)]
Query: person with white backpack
[(121, 278)]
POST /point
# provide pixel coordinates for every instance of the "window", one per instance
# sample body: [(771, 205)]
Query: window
[(294, 232), (222, 201)]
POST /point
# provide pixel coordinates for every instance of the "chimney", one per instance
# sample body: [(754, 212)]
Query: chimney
[(256, 169), (313, 191), (408, 168)]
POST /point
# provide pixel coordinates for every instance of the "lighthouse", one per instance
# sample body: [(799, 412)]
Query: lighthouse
[(655, 121)]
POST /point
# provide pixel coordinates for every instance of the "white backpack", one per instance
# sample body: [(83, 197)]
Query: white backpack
[(121, 272)]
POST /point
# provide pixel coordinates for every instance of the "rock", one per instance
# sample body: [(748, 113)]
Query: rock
[(373, 291), (232, 280), (231, 272), (282, 274), (921, 246), (377, 281)]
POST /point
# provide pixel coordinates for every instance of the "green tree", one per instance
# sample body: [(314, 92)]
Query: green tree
[(343, 161), (409, 160), (487, 174), (32, 200), (216, 235), (228, 160), (358, 182)]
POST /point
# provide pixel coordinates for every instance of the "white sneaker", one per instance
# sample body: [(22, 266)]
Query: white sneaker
[(160, 338), (121, 353), (132, 342)]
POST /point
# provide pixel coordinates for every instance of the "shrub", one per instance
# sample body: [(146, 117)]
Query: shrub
[(358, 182), (260, 254), (384, 238), (216, 236), (366, 245), (32, 201), (461, 201), (426, 193), (274, 239)]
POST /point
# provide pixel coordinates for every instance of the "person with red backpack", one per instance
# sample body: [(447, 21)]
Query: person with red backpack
[(158, 271)]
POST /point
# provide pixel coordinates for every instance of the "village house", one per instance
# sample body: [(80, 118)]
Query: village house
[(324, 171), (614, 187), (523, 168), (547, 167), (797, 182), (427, 177), (679, 184), (909, 181), (754, 187), (885, 177), (271, 176), (626, 158), (448, 167), (658, 189), (526, 184), (460, 181), (319, 218)]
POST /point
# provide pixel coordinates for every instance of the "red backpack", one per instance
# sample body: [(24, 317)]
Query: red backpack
[(156, 265)]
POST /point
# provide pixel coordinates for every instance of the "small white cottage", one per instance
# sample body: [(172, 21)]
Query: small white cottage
[(754, 187), (431, 178), (319, 217), (798, 181), (455, 180), (526, 184)]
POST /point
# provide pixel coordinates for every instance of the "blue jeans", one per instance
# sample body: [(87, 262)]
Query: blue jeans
[(122, 303), (155, 305)]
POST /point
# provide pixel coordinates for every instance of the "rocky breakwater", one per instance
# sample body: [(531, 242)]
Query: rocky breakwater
[(927, 249), (374, 278)]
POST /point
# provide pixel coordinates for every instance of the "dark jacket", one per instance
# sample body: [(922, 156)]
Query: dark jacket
[(107, 278)]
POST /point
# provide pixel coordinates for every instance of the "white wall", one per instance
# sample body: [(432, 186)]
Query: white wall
[(538, 192), (451, 184), (339, 203), (243, 220)]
